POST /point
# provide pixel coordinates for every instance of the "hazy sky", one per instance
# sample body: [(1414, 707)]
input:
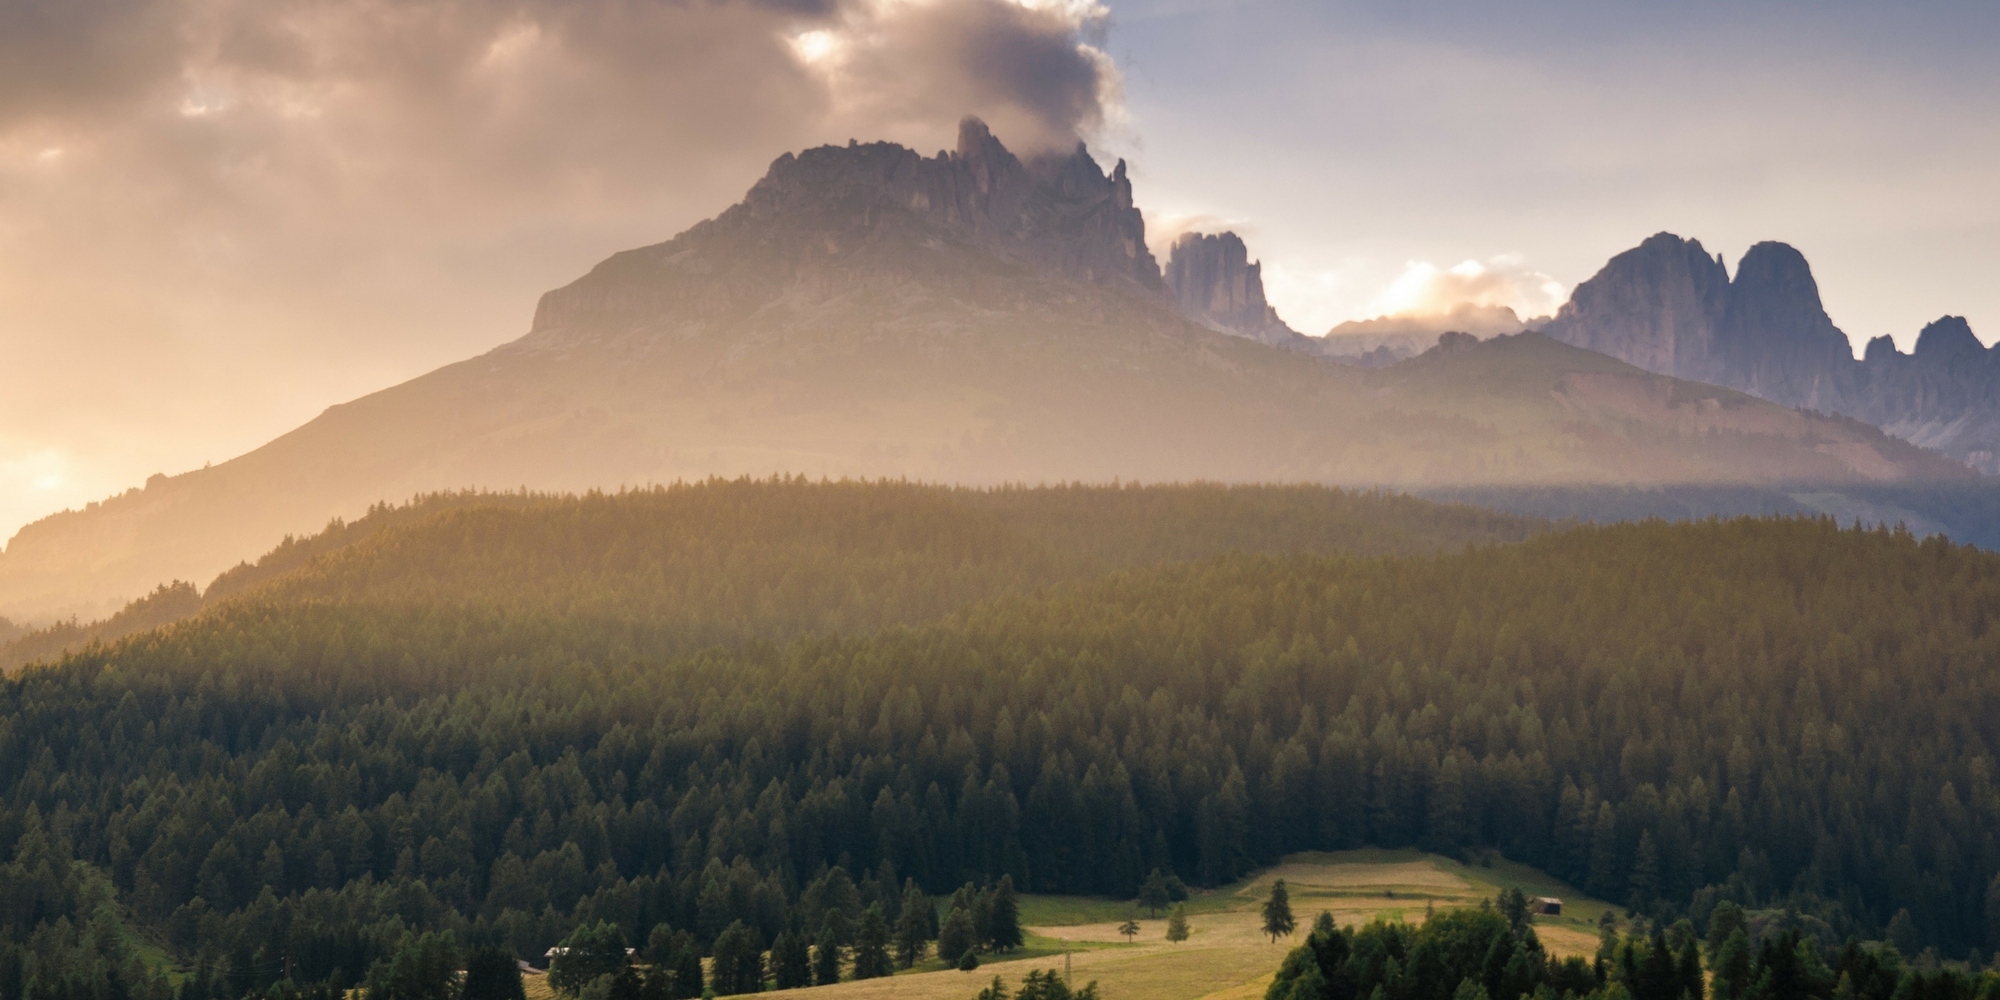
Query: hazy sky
[(1351, 139), (217, 217)]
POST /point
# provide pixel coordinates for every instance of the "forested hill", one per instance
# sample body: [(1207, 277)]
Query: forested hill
[(727, 561), (769, 559), (1777, 712)]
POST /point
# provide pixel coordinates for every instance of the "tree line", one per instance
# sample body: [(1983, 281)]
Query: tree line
[(726, 561), (1492, 953), (1776, 715)]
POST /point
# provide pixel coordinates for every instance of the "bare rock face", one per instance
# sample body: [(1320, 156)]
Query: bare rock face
[(1656, 306), (1666, 306), (837, 218), (1215, 283), (1943, 395), (1950, 340), (1775, 339)]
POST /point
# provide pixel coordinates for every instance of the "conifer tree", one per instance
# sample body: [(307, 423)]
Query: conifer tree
[(1278, 920), (660, 945), (982, 918), (658, 983), (587, 953), (1177, 925), (871, 946), (1693, 985), (737, 961), (1732, 967), (689, 981), (492, 974), (929, 908), (626, 985), (1513, 904), (423, 966), (1153, 893), (957, 936), (1902, 933), (1130, 928), (1724, 920), (1645, 883), (791, 961), (1006, 932), (826, 954), (1993, 915), (913, 928)]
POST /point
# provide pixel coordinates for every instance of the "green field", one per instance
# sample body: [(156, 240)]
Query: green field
[(1227, 955)]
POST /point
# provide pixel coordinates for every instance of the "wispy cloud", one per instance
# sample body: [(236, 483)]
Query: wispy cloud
[(1506, 281)]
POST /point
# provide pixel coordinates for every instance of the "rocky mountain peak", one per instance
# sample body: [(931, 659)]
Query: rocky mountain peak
[(1667, 307), (1215, 283), (837, 217), (1948, 338), (1778, 271), (977, 144), (1656, 306), (1775, 337)]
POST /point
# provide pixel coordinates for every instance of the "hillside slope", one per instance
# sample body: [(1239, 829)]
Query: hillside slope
[(1779, 713), (967, 318), (727, 562)]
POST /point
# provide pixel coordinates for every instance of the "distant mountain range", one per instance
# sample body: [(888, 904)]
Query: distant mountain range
[(971, 317), (1668, 307), (1216, 284)]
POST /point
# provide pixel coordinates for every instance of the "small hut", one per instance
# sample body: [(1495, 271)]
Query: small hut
[(1548, 906)]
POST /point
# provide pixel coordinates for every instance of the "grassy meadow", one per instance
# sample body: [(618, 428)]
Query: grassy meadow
[(1227, 956)]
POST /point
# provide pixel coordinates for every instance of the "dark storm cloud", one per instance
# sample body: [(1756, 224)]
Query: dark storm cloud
[(1021, 68), (549, 82)]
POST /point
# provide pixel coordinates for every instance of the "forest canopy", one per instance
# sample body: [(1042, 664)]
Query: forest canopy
[(508, 724)]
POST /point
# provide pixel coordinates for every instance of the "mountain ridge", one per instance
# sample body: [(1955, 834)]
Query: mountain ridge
[(1667, 307), (968, 318)]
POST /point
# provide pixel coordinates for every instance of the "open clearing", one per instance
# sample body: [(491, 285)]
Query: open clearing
[(1227, 956)]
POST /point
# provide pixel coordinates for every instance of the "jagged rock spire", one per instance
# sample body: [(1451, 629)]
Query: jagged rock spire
[(1215, 283)]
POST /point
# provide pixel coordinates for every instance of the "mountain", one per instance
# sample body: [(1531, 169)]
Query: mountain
[(1945, 394), (970, 317), (1384, 339), (1668, 307), (1217, 285)]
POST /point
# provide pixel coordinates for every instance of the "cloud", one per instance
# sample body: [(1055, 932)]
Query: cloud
[(1026, 68), (1423, 289), (219, 216)]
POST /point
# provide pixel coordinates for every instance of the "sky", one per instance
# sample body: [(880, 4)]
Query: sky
[(219, 217)]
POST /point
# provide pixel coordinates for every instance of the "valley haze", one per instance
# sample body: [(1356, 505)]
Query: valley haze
[(999, 500), (975, 317)]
